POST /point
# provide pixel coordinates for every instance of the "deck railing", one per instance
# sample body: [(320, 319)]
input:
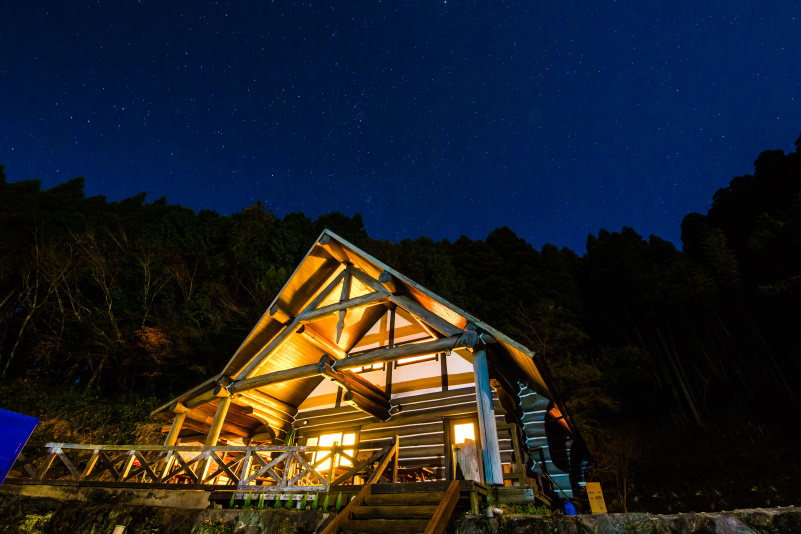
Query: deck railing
[(270, 468)]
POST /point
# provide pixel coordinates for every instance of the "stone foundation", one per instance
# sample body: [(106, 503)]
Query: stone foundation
[(24, 509)]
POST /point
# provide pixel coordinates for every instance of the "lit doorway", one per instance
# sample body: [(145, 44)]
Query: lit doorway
[(458, 431)]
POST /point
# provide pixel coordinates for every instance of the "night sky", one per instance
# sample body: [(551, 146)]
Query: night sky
[(436, 118)]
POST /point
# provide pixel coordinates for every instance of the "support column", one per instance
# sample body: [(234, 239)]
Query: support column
[(493, 474), (177, 423), (214, 433), (217, 424)]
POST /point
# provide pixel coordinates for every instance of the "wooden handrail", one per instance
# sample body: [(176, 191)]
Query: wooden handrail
[(444, 509), (274, 467)]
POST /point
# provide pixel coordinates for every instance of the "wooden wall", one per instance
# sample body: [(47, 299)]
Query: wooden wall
[(420, 421)]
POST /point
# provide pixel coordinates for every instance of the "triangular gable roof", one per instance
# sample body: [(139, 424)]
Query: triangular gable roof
[(321, 268)]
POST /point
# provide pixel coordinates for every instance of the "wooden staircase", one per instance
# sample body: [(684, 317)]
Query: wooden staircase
[(414, 512), (396, 508)]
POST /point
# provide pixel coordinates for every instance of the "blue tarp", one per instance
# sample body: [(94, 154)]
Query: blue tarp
[(15, 429)]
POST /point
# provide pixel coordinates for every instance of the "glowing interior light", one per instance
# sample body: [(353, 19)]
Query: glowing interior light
[(464, 431), (327, 440), (416, 359)]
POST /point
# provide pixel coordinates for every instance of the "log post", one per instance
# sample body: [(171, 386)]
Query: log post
[(493, 474), (390, 344), (214, 433), (343, 297), (177, 423)]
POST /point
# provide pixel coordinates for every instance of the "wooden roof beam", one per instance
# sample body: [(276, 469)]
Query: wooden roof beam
[(370, 299), (288, 329), (318, 340), (462, 340), (333, 248), (297, 373), (368, 406), (423, 315), (353, 382)]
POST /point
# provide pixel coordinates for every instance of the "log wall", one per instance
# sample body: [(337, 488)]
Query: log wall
[(419, 420)]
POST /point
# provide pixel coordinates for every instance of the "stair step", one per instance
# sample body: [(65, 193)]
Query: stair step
[(383, 526), (411, 487), (394, 512), (400, 499)]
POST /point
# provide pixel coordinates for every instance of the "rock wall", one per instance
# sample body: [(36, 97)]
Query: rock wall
[(99, 511), (756, 521)]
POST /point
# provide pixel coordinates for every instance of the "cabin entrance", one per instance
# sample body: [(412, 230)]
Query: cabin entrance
[(463, 442)]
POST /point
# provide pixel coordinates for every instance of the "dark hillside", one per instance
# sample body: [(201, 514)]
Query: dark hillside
[(679, 366)]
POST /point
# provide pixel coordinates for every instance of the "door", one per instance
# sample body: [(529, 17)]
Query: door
[(465, 449)]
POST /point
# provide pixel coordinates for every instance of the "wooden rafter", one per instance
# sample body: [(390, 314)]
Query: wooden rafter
[(463, 340), (345, 296), (370, 299), (317, 339), (360, 393), (288, 330)]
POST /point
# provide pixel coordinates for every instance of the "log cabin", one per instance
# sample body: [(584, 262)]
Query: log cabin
[(352, 352)]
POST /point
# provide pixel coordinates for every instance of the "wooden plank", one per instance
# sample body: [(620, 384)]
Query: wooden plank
[(406, 441), (406, 430), (431, 499), (433, 462), (427, 451), (411, 399), (394, 512), (357, 418), (355, 415), (438, 403), (414, 487), (67, 463), (444, 510), (470, 406), (467, 459), (423, 416), (328, 429), (324, 412)]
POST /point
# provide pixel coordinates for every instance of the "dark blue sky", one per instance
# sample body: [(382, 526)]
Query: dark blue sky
[(435, 118)]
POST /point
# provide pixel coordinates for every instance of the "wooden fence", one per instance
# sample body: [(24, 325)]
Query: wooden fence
[(271, 468)]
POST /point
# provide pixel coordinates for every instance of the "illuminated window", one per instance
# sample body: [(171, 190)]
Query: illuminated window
[(327, 440), (373, 367), (415, 359), (464, 431)]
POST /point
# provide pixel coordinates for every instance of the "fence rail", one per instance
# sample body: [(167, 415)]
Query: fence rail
[(269, 468)]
